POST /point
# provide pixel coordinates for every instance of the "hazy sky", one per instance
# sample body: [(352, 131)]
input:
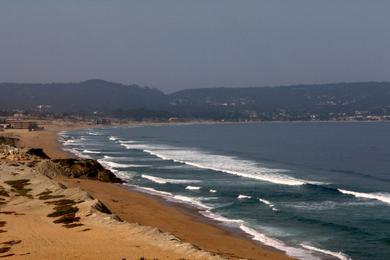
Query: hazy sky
[(195, 43)]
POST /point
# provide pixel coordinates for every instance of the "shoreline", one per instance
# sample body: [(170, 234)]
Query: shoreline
[(135, 206), (181, 220)]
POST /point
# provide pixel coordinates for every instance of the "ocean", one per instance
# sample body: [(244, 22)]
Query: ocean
[(314, 190)]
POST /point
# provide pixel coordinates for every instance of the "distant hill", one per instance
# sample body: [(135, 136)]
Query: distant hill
[(88, 96), (300, 102)]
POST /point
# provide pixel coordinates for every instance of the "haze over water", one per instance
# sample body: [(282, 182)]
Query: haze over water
[(314, 190)]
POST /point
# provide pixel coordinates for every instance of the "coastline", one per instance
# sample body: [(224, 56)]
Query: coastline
[(134, 206)]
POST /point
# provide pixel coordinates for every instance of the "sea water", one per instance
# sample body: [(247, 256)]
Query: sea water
[(313, 190)]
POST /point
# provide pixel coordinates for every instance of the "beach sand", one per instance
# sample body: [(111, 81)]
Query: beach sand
[(135, 207), (28, 231)]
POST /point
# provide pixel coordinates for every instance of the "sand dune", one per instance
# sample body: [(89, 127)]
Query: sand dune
[(30, 233)]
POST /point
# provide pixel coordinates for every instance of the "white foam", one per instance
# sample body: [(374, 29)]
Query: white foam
[(212, 191), (123, 175), (193, 201), (164, 181), (170, 167), (265, 202), (174, 198), (242, 197), (268, 203), (154, 191), (126, 144), (220, 218), (384, 197), (275, 243), (69, 142), (158, 155), (154, 179), (221, 163), (78, 153), (72, 142), (113, 138), (339, 255), (192, 187), (63, 133), (91, 152), (110, 164), (114, 158)]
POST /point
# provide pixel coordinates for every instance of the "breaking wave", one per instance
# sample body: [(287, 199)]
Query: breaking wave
[(165, 181), (91, 152), (242, 197), (110, 164), (221, 163), (384, 197), (339, 255), (192, 201), (268, 203), (300, 253), (192, 188)]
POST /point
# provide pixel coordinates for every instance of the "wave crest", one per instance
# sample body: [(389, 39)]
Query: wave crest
[(384, 197), (221, 163)]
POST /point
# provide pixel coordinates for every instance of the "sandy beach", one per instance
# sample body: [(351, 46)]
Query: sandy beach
[(153, 220)]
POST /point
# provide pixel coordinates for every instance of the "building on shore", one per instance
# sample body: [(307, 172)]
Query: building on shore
[(102, 121), (3, 123), (21, 124)]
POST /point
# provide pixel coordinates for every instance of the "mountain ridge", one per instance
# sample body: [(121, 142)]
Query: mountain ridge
[(294, 102)]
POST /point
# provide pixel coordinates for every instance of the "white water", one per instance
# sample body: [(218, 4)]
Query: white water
[(114, 165), (192, 187), (268, 203), (339, 255), (113, 138), (165, 181), (242, 197), (78, 153), (93, 133), (291, 251), (221, 163), (91, 152), (220, 218), (384, 197), (72, 142), (190, 200), (114, 158), (153, 191)]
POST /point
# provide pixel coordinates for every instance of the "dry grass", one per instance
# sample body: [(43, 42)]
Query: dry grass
[(65, 211), (46, 195), (19, 187)]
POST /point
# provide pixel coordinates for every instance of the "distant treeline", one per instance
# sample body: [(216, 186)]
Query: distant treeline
[(300, 102)]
